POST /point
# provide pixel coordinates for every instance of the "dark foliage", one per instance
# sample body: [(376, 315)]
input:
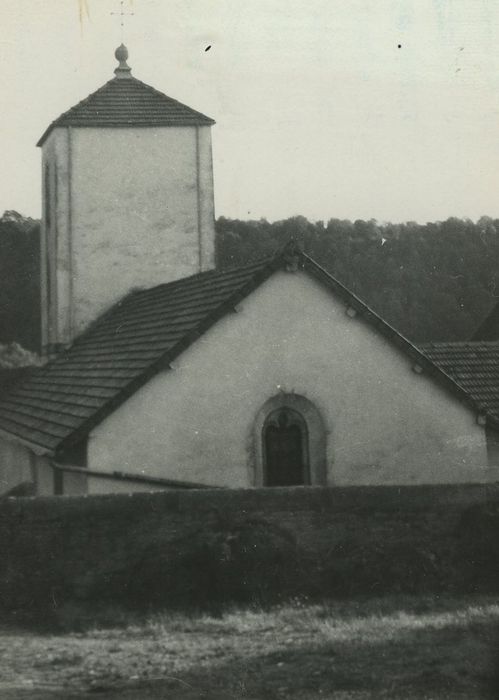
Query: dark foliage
[(234, 560), (19, 281), (431, 282), (435, 281), (478, 548), (201, 550), (377, 566)]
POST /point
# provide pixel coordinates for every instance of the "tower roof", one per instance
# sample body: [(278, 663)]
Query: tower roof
[(125, 101)]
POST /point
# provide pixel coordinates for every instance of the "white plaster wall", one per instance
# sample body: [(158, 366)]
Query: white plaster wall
[(386, 424), (75, 484), (44, 477), (130, 207), (206, 198), (141, 211), (45, 319), (56, 317), (19, 464), (15, 465)]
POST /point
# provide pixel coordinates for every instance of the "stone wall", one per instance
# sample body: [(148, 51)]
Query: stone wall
[(200, 548)]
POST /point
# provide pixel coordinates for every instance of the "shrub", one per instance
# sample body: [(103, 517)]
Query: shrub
[(239, 560), (376, 567), (477, 550)]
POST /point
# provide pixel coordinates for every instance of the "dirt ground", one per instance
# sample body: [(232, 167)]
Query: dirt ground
[(407, 648)]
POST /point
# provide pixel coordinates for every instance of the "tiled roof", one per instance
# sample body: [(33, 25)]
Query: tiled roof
[(60, 403), (126, 346), (128, 102), (474, 366)]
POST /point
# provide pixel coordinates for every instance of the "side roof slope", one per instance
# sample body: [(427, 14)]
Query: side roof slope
[(58, 404), (474, 365)]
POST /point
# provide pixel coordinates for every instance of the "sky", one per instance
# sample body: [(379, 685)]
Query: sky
[(358, 109)]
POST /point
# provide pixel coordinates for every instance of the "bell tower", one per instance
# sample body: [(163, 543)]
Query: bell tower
[(127, 201)]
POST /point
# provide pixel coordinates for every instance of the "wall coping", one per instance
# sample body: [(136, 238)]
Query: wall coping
[(278, 499)]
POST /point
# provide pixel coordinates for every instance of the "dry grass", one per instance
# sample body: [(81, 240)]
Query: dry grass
[(386, 648)]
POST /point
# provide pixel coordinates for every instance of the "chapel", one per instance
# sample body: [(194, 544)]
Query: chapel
[(163, 371)]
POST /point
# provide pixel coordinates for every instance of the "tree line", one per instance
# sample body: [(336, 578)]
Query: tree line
[(434, 281)]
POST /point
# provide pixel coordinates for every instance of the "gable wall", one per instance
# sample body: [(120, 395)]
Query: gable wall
[(385, 423), (18, 465), (15, 465)]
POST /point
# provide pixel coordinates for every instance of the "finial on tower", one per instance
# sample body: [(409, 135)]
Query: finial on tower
[(123, 70)]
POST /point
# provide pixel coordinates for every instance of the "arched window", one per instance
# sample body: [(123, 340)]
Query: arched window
[(290, 443), (285, 449)]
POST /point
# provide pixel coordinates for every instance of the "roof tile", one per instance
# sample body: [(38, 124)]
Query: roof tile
[(116, 351), (125, 102), (474, 365), (61, 402)]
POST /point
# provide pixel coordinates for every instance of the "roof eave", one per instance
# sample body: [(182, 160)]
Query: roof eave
[(120, 125), (130, 476), (169, 356), (445, 380), (32, 446), (46, 134)]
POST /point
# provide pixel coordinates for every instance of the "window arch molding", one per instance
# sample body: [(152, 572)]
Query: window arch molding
[(316, 430)]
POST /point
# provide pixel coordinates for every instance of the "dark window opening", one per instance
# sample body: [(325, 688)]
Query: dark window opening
[(75, 456), (285, 446)]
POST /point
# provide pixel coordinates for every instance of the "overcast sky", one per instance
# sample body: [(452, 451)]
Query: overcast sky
[(318, 110)]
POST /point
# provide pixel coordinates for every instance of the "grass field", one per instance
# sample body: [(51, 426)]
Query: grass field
[(403, 648)]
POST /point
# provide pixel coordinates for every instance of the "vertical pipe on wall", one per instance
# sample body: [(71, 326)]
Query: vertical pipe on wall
[(55, 257), (33, 470), (70, 236), (198, 192), (43, 272), (49, 252)]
